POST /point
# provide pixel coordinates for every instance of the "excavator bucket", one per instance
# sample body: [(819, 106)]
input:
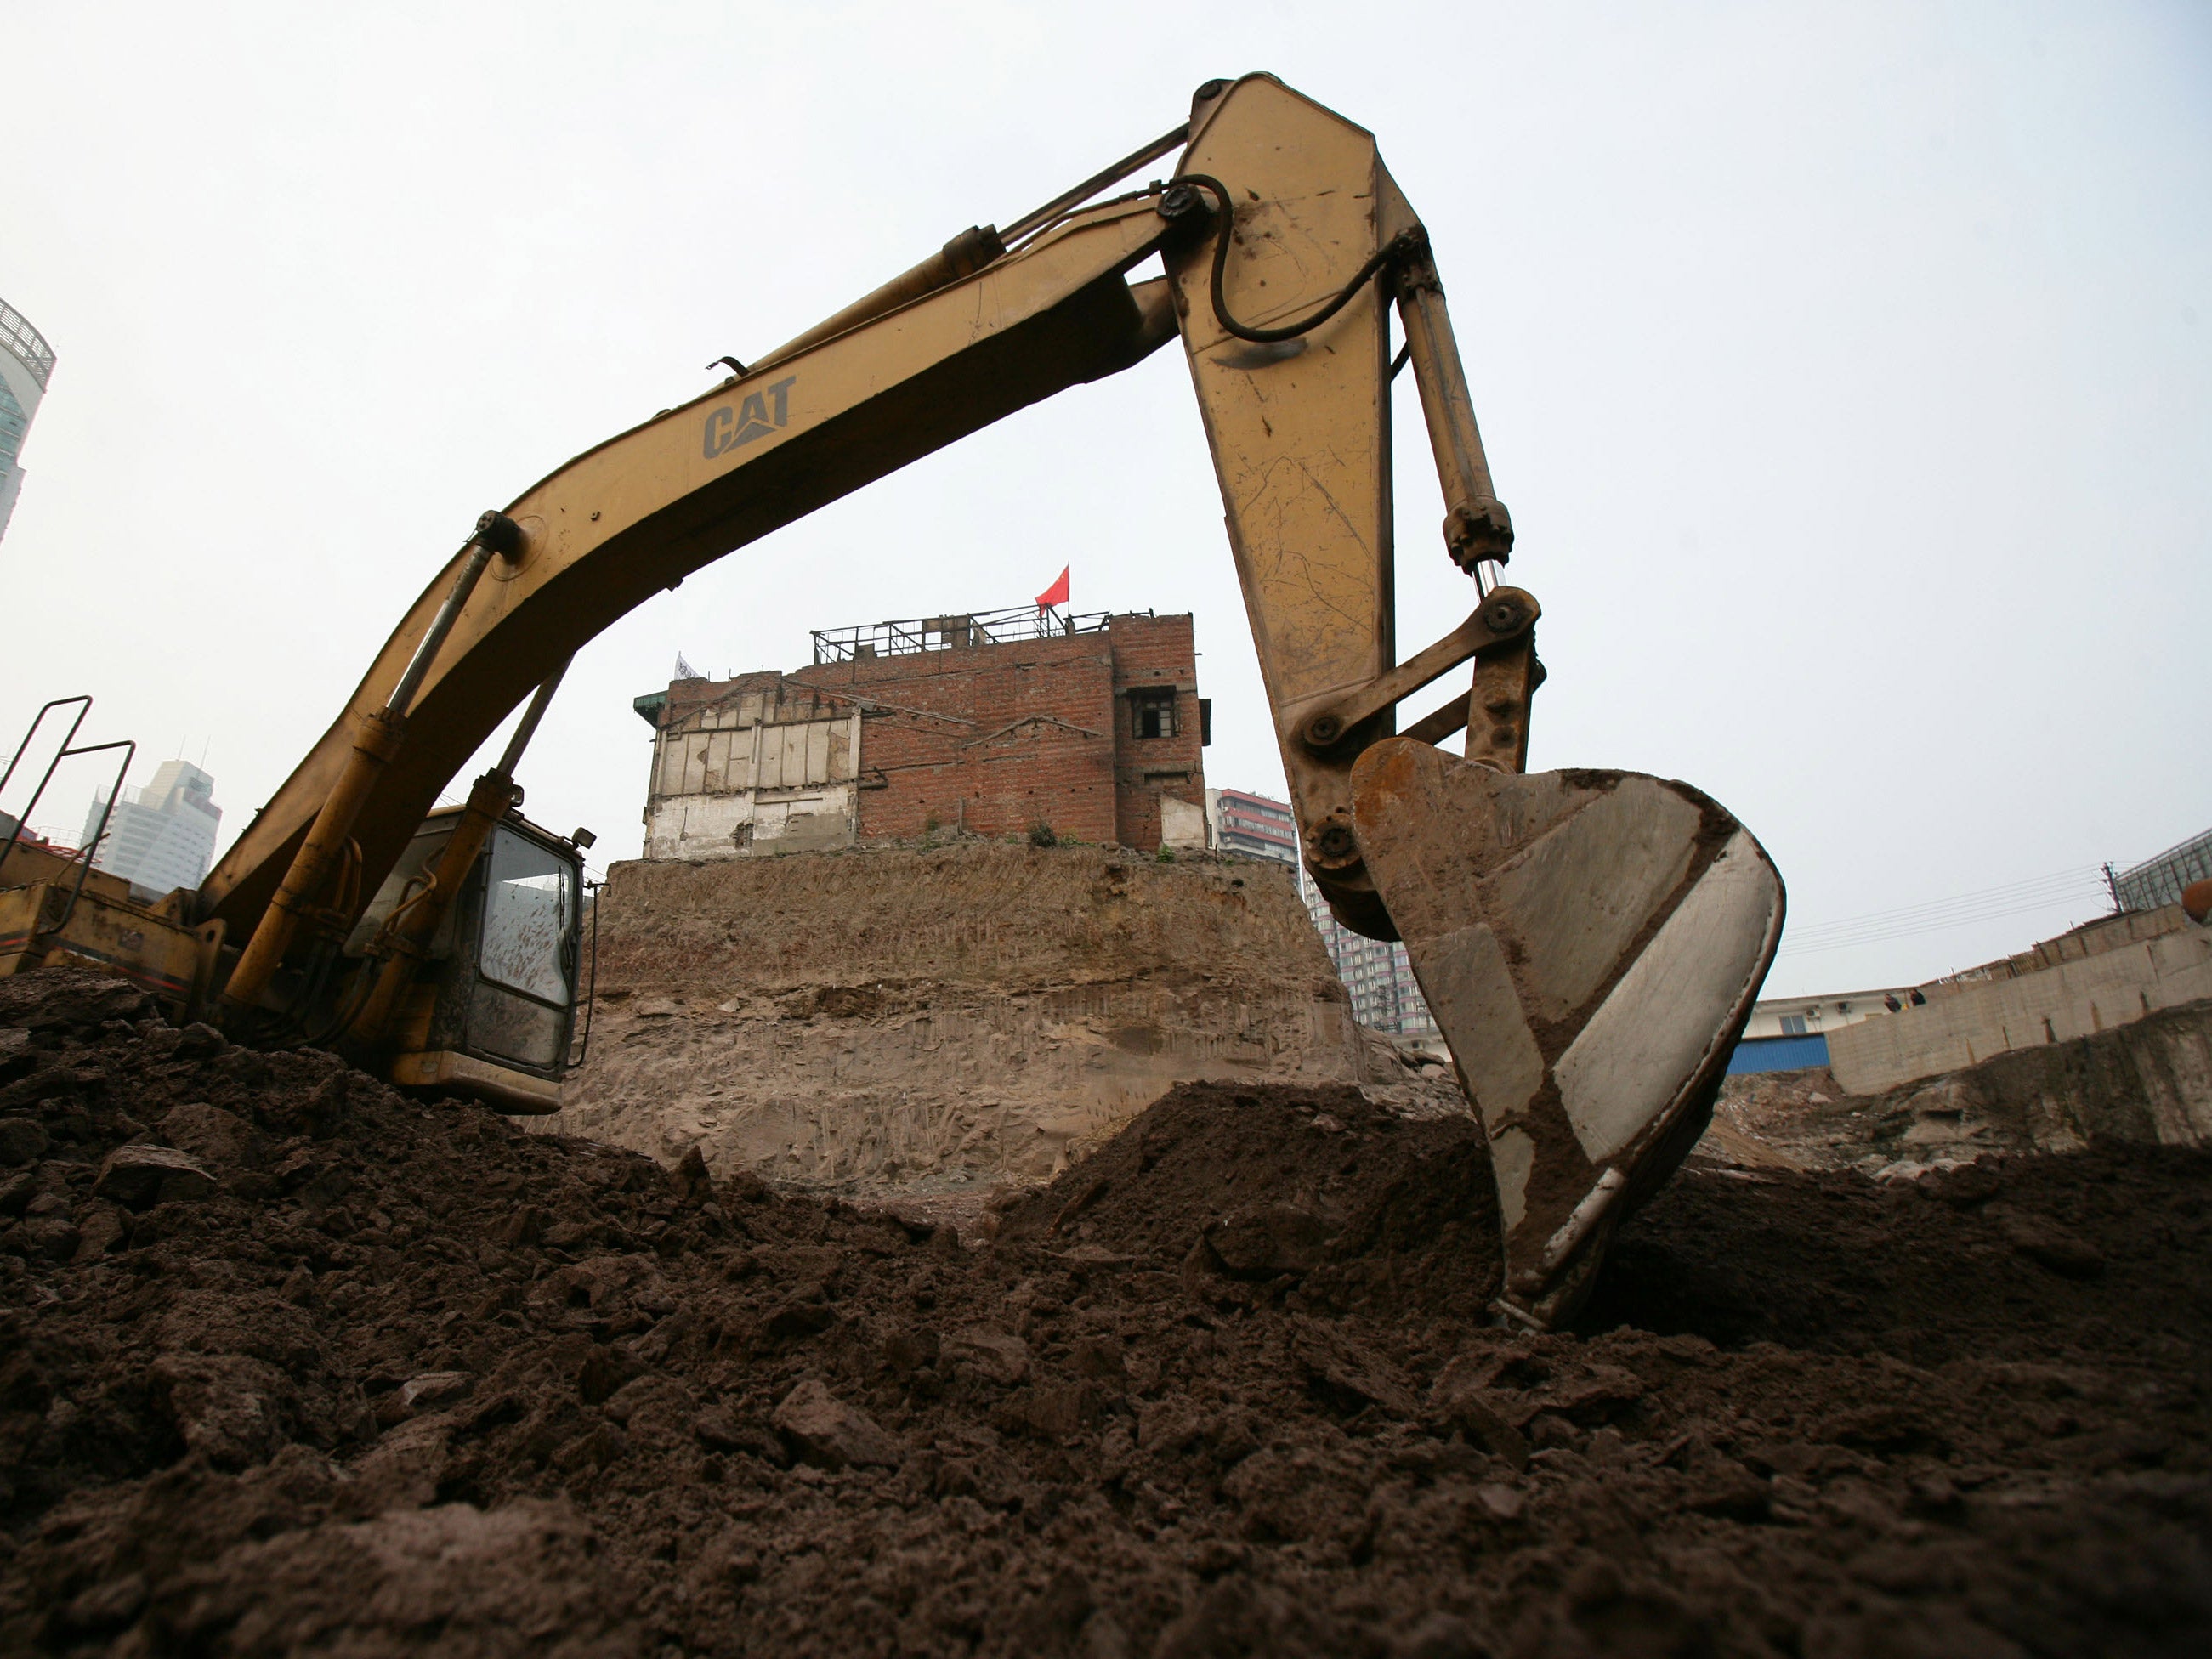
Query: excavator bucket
[(1590, 944)]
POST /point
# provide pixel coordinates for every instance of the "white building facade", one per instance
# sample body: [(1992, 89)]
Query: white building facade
[(161, 837), (752, 765), (1829, 1011)]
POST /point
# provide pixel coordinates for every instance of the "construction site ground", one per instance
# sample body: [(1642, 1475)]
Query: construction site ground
[(291, 1363)]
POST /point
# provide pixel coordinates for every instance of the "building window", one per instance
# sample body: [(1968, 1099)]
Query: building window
[(1793, 1026), (1153, 712)]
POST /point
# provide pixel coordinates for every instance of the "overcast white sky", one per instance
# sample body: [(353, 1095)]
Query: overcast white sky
[(1848, 370)]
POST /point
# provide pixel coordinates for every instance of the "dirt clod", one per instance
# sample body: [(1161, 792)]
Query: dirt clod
[(825, 1430), (142, 1176)]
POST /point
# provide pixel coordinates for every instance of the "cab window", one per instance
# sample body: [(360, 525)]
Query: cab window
[(528, 904)]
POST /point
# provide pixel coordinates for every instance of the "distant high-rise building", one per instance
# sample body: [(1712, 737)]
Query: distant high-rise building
[(162, 836), (27, 363), (1245, 822), (1384, 995)]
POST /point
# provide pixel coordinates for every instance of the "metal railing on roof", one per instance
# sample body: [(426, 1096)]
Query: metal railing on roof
[(963, 631), (26, 342)]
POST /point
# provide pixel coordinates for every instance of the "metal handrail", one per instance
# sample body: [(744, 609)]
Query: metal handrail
[(6, 777), (69, 748)]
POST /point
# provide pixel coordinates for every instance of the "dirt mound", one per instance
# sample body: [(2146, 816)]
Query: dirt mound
[(288, 1363), (1312, 1198), (2007, 1259), (1803, 1120)]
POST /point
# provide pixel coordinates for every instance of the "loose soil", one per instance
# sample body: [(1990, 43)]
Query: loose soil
[(291, 1363)]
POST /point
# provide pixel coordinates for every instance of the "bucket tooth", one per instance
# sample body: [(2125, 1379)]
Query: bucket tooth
[(1590, 944)]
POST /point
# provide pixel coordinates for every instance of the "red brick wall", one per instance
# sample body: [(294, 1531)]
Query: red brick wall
[(1028, 737), (1037, 731), (1154, 653)]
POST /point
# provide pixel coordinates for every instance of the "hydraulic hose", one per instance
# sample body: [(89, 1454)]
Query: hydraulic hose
[(1396, 248)]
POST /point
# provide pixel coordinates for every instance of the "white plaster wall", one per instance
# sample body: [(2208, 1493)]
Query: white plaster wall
[(2073, 999), (735, 791), (744, 825), (1181, 824)]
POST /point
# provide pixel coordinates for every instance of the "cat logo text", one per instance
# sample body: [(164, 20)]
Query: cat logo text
[(761, 414)]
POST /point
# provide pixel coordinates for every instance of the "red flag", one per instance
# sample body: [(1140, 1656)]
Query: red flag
[(1057, 593)]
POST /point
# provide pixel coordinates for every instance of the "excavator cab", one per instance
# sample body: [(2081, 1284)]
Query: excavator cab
[(491, 1012), (462, 974)]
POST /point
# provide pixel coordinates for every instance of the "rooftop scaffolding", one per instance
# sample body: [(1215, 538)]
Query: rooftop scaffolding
[(952, 633)]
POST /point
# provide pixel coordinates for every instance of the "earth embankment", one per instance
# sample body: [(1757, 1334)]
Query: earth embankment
[(924, 1019)]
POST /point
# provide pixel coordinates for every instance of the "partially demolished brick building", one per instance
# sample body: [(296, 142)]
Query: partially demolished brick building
[(983, 723)]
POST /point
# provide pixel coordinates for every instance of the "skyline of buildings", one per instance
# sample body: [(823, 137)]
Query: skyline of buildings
[(27, 364)]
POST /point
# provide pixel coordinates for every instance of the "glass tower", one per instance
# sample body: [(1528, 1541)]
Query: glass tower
[(27, 363)]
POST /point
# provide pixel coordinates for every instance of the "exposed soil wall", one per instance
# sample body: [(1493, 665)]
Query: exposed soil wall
[(924, 1019), (291, 1364), (2149, 1081)]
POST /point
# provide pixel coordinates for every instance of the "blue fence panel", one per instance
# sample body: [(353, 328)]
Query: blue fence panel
[(1778, 1053)]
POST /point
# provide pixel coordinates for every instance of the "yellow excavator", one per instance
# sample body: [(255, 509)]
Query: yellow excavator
[(1589, 942)]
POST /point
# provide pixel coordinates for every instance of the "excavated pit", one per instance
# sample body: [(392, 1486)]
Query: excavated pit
[(291, 1363)]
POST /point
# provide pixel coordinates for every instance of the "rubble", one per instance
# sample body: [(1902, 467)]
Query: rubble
[(421, 1382)]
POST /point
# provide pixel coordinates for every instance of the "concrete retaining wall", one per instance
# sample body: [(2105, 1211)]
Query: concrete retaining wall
[(1972, 1023), (2149, 1082)]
